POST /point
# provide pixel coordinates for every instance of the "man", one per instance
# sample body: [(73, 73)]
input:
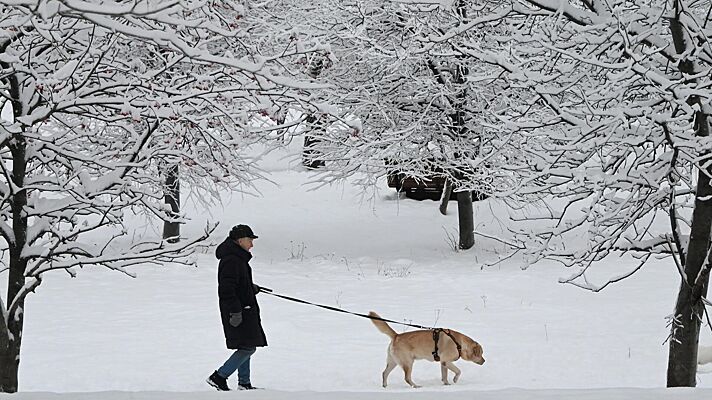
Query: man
[(238, 308)]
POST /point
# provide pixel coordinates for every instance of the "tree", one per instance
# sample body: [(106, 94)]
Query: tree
[(405, 104), (594, 113), (171, 190), (102, 96), (616, 120)]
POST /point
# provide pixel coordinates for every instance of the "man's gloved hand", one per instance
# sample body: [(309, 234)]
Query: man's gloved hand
[(235, 319), (261, 289)]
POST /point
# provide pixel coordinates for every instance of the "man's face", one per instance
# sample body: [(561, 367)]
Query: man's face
[(245, 243)]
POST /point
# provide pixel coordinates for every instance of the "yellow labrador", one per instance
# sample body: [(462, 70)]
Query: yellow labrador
[(438, 345)]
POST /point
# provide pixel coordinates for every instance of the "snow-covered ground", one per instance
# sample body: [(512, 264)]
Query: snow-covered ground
[(160, 333)]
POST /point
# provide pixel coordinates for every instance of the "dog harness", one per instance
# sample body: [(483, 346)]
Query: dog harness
[(436, 336)]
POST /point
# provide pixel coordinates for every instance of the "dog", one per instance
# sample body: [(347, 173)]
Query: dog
[(407, 347)]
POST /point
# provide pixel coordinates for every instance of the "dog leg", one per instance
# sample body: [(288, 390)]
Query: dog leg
[(390, 364), (443, 373), (454, 369), (407, 369)]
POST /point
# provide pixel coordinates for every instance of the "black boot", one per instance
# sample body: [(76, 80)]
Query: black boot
[(245, 386), (218, 382)]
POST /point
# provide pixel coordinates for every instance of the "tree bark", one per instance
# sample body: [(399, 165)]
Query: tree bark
[(689, 308), (7, 385), (459, 129), (447, 192), (466, 219), (9, 366), (171, 229), (311, 157), (465, 212), (10, 344)]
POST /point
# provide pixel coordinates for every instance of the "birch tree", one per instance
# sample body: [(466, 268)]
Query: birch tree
[(101, 95)]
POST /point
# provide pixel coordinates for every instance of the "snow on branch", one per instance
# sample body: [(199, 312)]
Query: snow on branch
[(619, 164), (587, 112), (106, 97)]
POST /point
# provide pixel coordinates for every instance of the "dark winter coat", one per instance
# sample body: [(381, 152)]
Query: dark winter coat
[(236, 293)]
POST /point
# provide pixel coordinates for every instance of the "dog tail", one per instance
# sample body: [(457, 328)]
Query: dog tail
[(382, 325)]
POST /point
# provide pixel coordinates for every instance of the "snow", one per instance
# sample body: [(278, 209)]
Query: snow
[(505, 394), (158, 336)]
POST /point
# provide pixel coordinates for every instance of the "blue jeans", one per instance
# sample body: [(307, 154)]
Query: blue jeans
[(240, 361)]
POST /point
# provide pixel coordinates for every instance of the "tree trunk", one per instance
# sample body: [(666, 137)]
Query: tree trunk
[(5, 353), (447, 192), (684, 340), (9, 364), (689, 309), (12, 337), (466, 220), (171, 229), (311, 157), (465, 212)]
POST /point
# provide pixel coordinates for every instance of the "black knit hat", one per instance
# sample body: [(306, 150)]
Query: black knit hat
[(241, 231)]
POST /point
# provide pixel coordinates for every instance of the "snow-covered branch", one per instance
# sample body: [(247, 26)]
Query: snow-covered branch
[(103, 97)]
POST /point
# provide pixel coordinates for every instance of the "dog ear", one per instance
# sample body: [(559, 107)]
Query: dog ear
[(475, 350)]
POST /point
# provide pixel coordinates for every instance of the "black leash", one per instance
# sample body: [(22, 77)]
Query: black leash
[(294, 299), (436, 331)]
